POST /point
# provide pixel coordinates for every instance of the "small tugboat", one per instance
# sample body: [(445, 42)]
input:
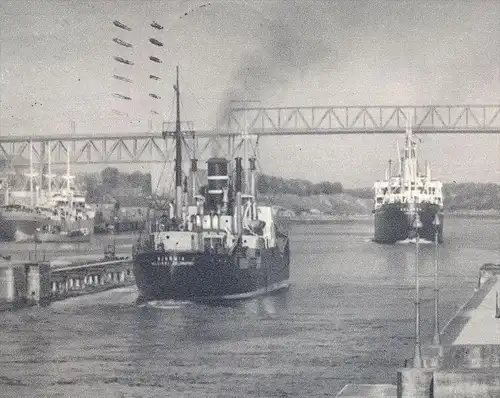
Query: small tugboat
[(219, 245), (401, 198)]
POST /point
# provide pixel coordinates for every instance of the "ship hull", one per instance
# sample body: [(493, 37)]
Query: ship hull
[(393, 223), (210, 276), (48, 237), (45, 237), (18, 230)]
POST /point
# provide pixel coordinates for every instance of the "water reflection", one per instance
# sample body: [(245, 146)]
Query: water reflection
[(350, 304), (224, 320), (273, 303), (399, 262)]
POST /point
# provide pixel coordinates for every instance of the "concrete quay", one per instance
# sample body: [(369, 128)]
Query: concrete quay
[(465, 364), (39, 282)]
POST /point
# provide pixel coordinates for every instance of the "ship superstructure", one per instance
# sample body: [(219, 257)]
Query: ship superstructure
[(408, 194), (215, 243)]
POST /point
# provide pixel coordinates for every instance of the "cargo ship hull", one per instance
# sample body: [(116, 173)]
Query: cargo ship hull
[(393, 223), (206, 276)]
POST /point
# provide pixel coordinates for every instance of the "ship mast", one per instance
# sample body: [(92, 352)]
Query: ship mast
[(49, 176), (400, 166), (68, 179), (178, 152), (31, 173), (245, 153)]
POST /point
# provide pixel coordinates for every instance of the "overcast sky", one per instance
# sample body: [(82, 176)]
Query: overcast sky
[(57, 65)]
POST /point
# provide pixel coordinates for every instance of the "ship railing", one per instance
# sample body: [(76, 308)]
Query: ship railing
[(392, 198)]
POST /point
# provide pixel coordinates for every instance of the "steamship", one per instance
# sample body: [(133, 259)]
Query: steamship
[(22, 211), (45, 215), (409, 201), (218, 243)]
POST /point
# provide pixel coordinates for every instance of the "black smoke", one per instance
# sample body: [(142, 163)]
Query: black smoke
[(285, 54)]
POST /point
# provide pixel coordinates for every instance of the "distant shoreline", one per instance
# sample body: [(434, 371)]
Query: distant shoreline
[(474, 213), (327, 218), (330, 218)]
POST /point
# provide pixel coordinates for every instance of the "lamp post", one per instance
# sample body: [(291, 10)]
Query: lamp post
[(36, 246), (436, 222), (417, 356), (497, 307)]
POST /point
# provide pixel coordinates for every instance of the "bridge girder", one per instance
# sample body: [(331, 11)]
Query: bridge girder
[(289, 121), (368, 119), (102, 150)]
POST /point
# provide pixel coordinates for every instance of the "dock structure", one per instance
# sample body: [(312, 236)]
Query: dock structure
[(88, 278), (38, 282), (465, 364)]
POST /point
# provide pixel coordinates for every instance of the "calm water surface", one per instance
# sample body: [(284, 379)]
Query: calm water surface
[(348, 318)]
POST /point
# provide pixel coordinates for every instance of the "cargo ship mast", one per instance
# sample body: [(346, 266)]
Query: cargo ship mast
[(178, 152)]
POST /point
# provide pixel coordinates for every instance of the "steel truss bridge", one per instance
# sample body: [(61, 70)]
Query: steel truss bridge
[(327, 120)]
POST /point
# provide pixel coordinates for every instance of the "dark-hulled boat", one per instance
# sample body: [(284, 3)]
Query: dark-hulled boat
[(219, 245), (408, 199)]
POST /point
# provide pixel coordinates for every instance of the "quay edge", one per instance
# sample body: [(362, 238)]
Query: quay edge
[(466, 364)]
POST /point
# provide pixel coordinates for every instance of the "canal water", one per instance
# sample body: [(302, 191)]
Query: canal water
[(347, 318)]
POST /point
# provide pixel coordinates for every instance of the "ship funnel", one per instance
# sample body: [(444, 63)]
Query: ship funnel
[(253, 190), (218, 181), (238, 216), (194, 170), (239, 172)]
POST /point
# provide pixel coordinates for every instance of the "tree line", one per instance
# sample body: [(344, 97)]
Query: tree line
[(130, 189), (472, 196), (111, 184), (266, 184)]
